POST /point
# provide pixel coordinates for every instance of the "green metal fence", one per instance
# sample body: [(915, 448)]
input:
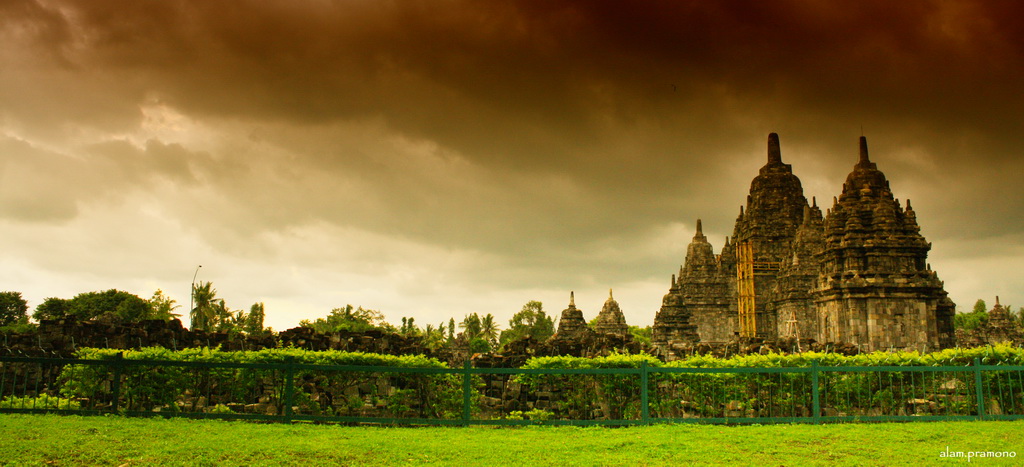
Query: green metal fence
[(292, 391)]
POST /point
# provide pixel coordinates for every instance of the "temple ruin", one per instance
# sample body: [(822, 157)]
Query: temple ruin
[(857, 275), (1000, 327), (571, 324), (611, 320)]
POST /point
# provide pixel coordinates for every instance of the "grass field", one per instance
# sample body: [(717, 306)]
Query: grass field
[(72, 440)]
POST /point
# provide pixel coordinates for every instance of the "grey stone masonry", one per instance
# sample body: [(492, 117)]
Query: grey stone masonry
[(857, 275), (611, 320), (875, 288), (571, 324)]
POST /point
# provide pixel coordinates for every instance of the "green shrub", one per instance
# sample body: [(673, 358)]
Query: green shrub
[(538, 415), (318, 391), (777, 394), (672, 393), (617, 396), (220, 409), (43, 401)]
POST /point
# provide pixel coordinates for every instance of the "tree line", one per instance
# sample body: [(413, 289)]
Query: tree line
[(208, 313), (479, 333)]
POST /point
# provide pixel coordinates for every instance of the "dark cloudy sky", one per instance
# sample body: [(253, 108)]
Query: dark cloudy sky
[(436, 158)]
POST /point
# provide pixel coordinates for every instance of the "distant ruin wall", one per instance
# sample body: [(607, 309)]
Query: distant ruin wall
[(62, 338)]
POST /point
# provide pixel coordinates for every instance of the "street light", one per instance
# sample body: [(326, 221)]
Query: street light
[(192, 292)]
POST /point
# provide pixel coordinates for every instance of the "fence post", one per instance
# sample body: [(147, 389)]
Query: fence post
[(115, 386), (467, 386), (645, 415), (978, 390), (815, 393), (289, 388)]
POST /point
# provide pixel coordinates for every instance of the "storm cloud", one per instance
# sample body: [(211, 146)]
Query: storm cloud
[(436, 158)]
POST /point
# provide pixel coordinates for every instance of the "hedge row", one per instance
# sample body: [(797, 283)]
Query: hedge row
[(781, 394), (615, 396), (281, 355), (1002, 354), (263, 391)]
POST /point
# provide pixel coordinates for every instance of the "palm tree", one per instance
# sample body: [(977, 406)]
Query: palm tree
[(433, 338), (163, 306), (489, 329), (204, 314), (471, 324), (224, 319)]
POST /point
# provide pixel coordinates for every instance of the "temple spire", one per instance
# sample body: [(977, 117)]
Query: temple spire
[(572, 300), (774, 152), (610, 294), (864, 150), (699, 236)]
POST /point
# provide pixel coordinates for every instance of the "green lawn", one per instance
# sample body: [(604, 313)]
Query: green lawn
[(72, 440)]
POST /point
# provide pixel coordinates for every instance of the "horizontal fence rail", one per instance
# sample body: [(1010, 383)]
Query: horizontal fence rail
[(290, 391)]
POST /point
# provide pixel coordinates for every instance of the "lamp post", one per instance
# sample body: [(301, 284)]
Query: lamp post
[(192, 292)]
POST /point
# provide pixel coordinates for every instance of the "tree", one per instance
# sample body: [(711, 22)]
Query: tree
[(532, 321), (225, 319), (480, 333), (116, 304), (204, 310), (210, 313), (254, 321), (479, 345), (13, 308), (471, 326), (434, 338), (409, 327), (642, 335), (976, 318), (163, 306), (51, 308), (349, 319), (489, 329)]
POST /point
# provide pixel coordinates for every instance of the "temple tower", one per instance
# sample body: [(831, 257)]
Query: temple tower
[(698, 305), (571, 324), (611, 320), (857, 275), (798, 272), (875, 288), (765, 230)]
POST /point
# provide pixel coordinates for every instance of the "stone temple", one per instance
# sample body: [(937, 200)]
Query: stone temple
[(857, 275), (611, 320)]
